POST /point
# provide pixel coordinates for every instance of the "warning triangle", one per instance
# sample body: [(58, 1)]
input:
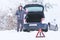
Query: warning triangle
[(40, 33)]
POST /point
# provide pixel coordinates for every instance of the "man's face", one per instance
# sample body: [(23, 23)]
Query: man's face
[(20, 8)]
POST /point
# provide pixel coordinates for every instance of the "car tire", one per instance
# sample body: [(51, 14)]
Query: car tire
[(26, 30), (46, 30)]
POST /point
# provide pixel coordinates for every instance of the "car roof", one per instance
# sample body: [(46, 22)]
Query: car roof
[(32, 5)]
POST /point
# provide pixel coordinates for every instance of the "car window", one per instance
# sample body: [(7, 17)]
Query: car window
[(34, 9)]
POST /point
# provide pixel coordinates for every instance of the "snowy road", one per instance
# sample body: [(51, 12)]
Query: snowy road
[(13, 35), (53, 13)]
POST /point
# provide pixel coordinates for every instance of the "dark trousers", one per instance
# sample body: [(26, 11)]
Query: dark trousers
[(19, 25)]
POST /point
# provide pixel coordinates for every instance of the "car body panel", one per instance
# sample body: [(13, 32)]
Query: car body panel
[(34, 25)]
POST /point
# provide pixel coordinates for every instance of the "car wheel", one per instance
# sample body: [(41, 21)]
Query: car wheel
[(46, 30), (26, 30)]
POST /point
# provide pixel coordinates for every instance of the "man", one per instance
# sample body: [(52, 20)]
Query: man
[(20, 14)]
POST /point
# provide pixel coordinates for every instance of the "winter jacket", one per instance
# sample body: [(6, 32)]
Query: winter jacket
[(20, 14)]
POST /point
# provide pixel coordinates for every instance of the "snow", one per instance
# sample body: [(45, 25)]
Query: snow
[(13, 35), (53, 13)]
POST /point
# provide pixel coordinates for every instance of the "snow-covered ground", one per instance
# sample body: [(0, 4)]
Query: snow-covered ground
[(13, 35), (53, 13)]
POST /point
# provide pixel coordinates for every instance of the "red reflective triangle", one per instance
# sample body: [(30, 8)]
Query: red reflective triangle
[(40, 33)]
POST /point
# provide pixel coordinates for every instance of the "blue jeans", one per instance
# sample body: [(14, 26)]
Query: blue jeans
[(19, 28)]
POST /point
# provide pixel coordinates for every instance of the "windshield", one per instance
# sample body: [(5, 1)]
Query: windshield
[(34, 9)]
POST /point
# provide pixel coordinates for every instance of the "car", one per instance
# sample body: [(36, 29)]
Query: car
[(33, 19)]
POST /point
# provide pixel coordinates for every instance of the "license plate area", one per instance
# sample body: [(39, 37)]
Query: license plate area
[(32, 24)]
